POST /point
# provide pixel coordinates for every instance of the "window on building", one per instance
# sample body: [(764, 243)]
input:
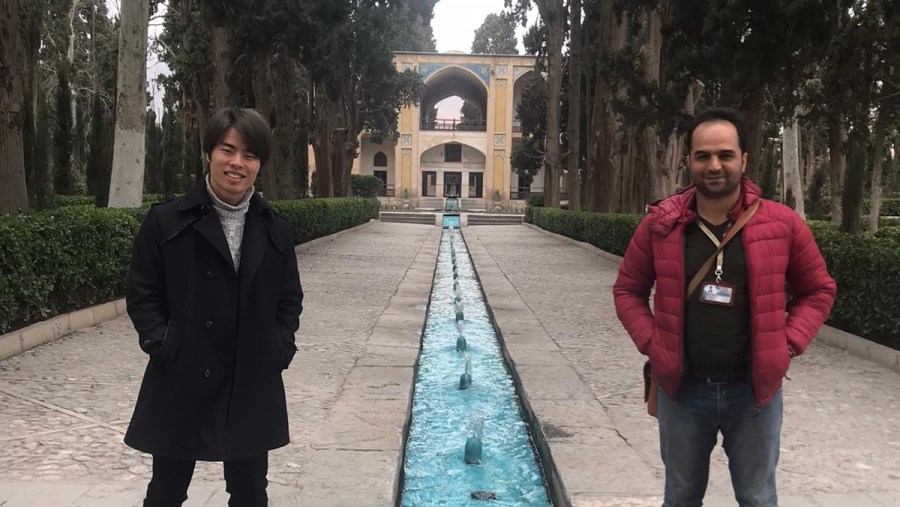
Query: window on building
[(453, 153), (380, 159)]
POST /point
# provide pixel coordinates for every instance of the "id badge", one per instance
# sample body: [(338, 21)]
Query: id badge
[(717, 294)]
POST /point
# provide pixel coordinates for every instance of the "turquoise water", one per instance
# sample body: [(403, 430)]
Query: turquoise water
[(450, 221), (434, 471)]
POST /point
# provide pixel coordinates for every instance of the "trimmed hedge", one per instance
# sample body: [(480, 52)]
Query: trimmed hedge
[(607, 231), (314, 218), (865, 267), (60, 260), (63, 201)]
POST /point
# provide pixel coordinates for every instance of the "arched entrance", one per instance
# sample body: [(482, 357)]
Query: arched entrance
[(448, 82), (452, 169)]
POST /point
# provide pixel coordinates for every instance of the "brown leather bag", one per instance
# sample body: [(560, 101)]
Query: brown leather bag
[(650, 390)]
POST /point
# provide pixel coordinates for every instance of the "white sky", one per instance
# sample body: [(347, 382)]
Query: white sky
[(454, 24)]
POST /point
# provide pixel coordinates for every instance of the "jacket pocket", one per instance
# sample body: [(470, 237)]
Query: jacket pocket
[(169, 351)]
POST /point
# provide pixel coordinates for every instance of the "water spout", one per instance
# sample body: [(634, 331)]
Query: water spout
[(465, 380), (461, 345), (474, 442)]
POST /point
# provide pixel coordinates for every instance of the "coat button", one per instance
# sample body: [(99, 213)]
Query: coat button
[(210, 275), (206, 373), (207, 324)]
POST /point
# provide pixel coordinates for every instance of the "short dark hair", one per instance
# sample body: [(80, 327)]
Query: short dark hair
[(249, 123), (732, 116)]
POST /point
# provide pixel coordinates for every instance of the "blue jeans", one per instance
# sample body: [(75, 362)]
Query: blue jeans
[(689, 427)]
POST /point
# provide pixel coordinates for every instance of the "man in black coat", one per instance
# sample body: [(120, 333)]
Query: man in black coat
[(214, 294)]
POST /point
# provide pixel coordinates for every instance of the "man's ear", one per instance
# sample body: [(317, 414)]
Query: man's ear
[(744, 163)]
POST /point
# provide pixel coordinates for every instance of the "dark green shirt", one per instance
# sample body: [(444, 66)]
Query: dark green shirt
[(716, 337)]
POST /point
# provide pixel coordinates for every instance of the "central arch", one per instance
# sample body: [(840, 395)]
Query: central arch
[(447, 82)]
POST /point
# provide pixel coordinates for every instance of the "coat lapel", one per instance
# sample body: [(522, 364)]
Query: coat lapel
[(210, 228), (197, 201), (253, 245)]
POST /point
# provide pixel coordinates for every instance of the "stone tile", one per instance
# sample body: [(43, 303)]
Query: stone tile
[(105, 312), (379, 383), (81, 319), (380, 355), (112, 495), (395, 337), (37, 334), (546, 356), (610, 469), (349, 478), (10, 345), (408, 320), (49, 494), (553, 383), (360, 425)]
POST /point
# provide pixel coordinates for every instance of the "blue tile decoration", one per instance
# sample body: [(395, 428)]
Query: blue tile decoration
[(482, 70)]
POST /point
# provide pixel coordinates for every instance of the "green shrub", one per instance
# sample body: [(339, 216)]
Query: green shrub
[(76, 256), (533, 201), (314, 218), (608, 231), (536, 200), (365, 186), (61, 260), (62, 201)]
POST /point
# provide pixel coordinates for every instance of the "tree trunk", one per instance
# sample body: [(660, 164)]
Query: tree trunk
[(223, 88), (877, 164), (809, 166), (346, 139), (753, 116), (573, 176), (604, 170), (127, 180), (282, 123), (837, 140), (790, 153), (552, 13), (263, 101), (13, 192), (320, 122)]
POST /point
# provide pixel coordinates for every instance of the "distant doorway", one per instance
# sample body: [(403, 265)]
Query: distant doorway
[(476, 184), (429, 184), (452, 184)]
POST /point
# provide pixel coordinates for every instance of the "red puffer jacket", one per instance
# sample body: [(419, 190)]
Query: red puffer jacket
[(779, 248)]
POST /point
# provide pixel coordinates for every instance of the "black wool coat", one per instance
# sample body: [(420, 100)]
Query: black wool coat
[(218, 340)]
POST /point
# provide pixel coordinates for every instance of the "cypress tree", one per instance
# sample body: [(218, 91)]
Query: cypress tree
[(854, 183), (63, 133), (41, 182), (99, 165), (153, 150)]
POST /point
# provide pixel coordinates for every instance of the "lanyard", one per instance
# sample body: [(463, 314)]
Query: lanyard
[(720, 258)]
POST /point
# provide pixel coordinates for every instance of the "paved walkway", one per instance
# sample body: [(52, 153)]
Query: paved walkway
[(65, 405)]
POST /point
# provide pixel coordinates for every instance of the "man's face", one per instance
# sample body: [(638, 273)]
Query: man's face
[(716, 162), (232, 168)]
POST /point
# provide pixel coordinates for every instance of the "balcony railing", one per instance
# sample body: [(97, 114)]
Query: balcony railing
[(519, 193), (524, 192), (454, 124)]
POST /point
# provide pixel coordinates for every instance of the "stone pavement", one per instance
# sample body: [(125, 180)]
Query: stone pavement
[(65, 405)]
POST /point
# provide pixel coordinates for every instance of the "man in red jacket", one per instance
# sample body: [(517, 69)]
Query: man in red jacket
[(719, 352)]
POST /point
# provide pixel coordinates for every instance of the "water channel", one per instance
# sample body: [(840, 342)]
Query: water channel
[(454, 423)]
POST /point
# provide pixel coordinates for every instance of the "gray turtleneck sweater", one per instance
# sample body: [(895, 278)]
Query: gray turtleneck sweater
[(232, 220)]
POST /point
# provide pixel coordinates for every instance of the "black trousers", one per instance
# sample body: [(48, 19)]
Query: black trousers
[(245, 481)]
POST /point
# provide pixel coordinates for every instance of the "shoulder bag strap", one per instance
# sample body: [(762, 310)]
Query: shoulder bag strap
[(704, 269)]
